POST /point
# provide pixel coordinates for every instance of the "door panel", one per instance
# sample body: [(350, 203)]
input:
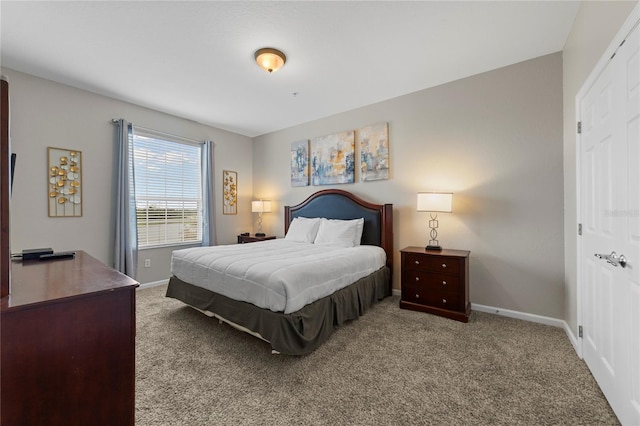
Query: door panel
[(604, 183), (606, 319), (633, 194)]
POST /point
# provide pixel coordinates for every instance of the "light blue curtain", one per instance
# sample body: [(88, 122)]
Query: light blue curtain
[(208, 192), (126, 241)]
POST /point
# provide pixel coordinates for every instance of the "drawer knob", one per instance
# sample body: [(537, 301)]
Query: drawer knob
[(444, 283), (417, 296), (444, 265), (444, 301), (417, 278), (417, 262)]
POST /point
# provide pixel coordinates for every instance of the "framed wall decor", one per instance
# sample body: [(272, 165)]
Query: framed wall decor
[(230, 192), (333, 158), (64, 182), (300, 163), (374, 152)]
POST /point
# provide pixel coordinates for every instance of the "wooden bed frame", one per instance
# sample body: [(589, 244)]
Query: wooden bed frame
[(301, 332)]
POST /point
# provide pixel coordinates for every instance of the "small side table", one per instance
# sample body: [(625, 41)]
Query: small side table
[(243, 239), (436, 282)]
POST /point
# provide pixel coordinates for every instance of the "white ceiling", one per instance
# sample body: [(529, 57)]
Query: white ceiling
[(195, 59)]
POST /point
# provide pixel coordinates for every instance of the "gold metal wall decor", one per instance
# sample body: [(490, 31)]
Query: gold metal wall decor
[(230, 192), (64, 182)]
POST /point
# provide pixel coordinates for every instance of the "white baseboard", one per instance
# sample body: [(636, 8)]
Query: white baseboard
[(519, 315), (153, 284), (533, 318), (513, 314), (396, 292)]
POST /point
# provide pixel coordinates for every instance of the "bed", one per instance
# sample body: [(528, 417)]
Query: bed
[(291, 327)]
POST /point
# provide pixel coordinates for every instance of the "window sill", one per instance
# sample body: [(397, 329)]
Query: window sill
[(160, 246)]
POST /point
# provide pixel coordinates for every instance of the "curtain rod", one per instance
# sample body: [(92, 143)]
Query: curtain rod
[(159, 133)]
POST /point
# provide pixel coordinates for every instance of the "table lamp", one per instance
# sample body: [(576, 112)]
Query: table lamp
[(434, 202), (260, 207)]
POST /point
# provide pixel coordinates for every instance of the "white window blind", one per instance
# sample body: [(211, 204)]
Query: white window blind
[(168, 189)]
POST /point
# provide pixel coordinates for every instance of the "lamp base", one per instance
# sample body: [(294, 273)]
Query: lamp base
[(260, 234), (434, 248)]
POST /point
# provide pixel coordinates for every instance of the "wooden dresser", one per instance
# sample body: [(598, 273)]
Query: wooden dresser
[(436, 282), (68, 344)]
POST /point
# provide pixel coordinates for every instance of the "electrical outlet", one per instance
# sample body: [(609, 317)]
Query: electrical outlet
[(147, 263)]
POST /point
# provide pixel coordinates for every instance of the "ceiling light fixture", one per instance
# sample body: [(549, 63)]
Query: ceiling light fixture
[(270, 59)]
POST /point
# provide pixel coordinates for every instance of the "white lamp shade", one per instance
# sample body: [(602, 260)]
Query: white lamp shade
[(434, 202), (261, 206)]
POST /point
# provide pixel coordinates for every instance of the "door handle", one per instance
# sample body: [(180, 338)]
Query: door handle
[(613, 259), (622, 260)]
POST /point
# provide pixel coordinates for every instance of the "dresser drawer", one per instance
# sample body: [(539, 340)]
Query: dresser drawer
[(420, 294), (446, 265), (431, 282), (445, 300)]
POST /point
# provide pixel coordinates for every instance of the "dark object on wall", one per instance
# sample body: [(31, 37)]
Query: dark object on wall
[(13, 168), (5, 190)]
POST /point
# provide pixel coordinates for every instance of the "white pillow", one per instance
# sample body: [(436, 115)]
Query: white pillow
[(303, 229), (359, 229), (341, 233)]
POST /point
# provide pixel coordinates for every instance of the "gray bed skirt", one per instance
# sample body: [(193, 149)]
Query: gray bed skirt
[(297, 333)]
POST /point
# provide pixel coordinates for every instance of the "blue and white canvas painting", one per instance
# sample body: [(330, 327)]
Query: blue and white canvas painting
[(333, 158), (374, 152), (300, 163)]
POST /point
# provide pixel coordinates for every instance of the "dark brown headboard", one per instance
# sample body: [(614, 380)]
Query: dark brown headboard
[(339, 204)]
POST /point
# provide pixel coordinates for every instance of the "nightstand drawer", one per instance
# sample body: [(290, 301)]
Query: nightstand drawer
[(419, 294), (415, 293), (431, 282), (445, 300), (446, 265)]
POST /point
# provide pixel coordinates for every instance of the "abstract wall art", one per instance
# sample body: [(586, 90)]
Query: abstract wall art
[(374, 152), (333, 158), (300, 163)]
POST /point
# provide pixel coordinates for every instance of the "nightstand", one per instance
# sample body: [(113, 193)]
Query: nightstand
[(436, 282), (242, 239)]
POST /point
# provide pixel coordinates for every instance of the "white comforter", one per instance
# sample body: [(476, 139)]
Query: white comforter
[(279, 275)]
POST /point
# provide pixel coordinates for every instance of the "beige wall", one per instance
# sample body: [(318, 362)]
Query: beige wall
[(495, 141), (47, 114), (593, 30)]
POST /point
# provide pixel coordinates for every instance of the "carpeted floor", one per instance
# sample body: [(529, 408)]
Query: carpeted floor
[(390, 367)]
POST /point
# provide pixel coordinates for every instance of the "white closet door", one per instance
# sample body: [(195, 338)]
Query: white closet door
[(610, 194)]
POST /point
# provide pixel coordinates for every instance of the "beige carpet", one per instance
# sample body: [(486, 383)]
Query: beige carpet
[(390, 367)]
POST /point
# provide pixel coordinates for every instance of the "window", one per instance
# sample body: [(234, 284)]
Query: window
[(168, 189)]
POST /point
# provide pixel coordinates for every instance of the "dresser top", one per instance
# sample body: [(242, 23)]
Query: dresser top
[(443, 252), (36, 281)]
